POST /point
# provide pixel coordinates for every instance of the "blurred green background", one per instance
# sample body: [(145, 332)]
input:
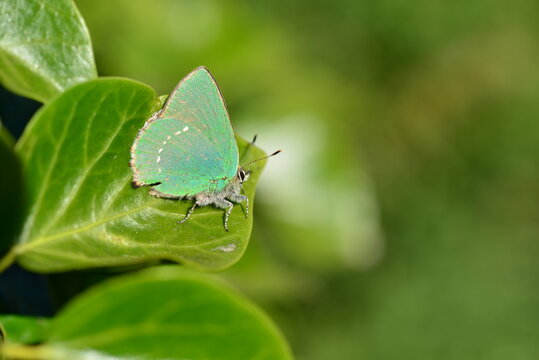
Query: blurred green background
[(401, 220)]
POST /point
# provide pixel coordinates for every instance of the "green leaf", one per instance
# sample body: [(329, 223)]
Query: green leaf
[(166, 313), (83, 210), (44, 47), (23, 329), (11, 192)]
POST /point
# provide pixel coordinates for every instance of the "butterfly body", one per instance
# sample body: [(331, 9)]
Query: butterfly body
[(188, 150)]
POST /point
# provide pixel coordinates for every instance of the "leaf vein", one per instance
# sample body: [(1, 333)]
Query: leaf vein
[(39, 200), (77, 186)]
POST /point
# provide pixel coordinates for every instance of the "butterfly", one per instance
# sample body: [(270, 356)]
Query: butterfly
[(187, 150)]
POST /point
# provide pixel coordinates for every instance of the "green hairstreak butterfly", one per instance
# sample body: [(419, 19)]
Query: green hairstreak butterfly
[(187, 149)]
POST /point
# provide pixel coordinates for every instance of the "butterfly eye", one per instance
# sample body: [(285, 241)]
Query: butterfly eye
[(243, 175)]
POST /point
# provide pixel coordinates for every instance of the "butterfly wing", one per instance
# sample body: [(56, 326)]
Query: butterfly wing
[(189, 146), (198, 101)]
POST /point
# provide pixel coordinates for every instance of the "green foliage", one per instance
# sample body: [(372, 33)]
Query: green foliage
[(83, 210), (67, 197), (44, 47), (436, 100), (161, 313), (24, 329)]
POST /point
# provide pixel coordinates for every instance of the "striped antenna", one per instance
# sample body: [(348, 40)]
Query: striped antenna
[(262, 158)]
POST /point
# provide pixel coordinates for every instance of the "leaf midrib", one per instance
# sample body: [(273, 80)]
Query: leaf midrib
[(44, 239)]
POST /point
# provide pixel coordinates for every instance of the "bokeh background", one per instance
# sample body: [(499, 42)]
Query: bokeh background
[(401, 219)]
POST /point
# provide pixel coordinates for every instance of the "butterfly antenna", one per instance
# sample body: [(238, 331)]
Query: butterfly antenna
[(262, 158), (248, 150)]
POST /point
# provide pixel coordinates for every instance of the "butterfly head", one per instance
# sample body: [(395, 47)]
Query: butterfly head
[(243, 175)]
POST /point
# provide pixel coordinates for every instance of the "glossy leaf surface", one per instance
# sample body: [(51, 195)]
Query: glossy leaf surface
[(23, 329), (44, 47), (83, 210), (165, 313)]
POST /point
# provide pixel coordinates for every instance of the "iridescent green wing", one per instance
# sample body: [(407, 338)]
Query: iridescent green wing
[(189, 146)]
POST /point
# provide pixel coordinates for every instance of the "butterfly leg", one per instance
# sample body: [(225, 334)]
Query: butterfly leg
[(188, 213), (238, 198), (229, 208), (227, 214), (224, 204)]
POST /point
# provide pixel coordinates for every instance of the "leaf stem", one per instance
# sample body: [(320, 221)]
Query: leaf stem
[(23, 352), (7, 260)]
